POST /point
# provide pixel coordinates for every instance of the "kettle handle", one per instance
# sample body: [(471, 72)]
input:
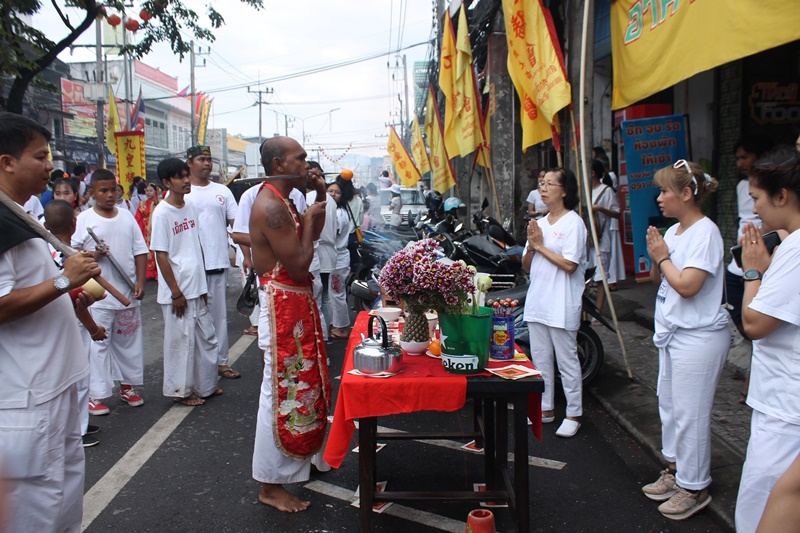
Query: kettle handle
[(384, 330)]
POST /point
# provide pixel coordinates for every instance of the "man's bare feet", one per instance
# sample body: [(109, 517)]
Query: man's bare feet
[(191, 401), (279, 498)]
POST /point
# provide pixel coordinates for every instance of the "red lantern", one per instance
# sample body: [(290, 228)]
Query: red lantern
[(145, 15), (132, 25), (114, 20)]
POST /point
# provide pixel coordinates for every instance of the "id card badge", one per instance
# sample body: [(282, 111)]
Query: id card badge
[(663, 289)]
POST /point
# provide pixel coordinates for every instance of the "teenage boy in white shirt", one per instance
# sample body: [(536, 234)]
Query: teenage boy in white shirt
[(190, 343), (121, 356), (216, 207)]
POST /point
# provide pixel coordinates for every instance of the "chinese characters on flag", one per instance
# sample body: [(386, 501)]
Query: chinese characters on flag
[(443, 178), (418, 151), (403, 165), (467, 123), (130, 157)]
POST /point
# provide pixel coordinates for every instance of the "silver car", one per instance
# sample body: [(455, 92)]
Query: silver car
[(413, 202)]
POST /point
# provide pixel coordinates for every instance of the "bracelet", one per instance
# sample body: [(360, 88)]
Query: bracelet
[(180, 294), (95, 333), (659, 263)]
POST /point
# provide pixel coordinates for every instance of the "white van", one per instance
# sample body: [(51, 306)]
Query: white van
[(413, 202)]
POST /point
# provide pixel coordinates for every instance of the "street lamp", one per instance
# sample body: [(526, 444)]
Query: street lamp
[(303, 120)]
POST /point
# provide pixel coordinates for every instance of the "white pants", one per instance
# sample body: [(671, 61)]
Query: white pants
[(605, 258), (544, 340), (83, 385), (43, 465), (190, 351), (337, 291), (318, 294), (616, 264), (269, 463), (218, 307), (689, 369), (773, 446), (120, 357), (243, 277)]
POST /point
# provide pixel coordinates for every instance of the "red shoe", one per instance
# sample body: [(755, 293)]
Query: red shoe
[(98, 408), (129, 396)]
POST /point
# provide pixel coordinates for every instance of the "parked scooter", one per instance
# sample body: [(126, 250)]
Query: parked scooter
[(590, 348)]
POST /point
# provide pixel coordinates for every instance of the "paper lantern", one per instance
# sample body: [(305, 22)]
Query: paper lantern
[(132, 25), (145, 15), (114, 20)]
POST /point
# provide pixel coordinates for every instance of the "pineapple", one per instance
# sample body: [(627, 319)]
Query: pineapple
[(415, 328)]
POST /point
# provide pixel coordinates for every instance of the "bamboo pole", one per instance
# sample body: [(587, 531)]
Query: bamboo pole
[(585, 171), (57, 244)]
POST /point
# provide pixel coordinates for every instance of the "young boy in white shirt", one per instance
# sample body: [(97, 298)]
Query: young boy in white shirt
[(190, 342), (121, 356)]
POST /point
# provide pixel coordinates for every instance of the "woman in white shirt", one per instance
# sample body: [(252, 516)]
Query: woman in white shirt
[(691, 334), (606, 208), (554, 257), (536, 207), (771, 317), (337, 282)]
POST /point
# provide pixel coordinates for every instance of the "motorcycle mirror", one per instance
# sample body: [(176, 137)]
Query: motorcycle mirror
[(459, 227), (485, 203)]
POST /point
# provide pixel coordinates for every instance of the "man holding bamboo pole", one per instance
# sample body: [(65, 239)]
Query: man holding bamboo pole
[(41, 353)]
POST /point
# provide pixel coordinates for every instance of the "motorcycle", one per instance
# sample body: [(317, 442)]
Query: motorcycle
[(590, 348)]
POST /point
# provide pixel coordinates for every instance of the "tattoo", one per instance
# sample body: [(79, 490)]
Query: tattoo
[(278, 216)]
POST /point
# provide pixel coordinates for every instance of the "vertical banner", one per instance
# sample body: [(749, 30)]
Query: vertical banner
[(202, 120), (403, 164), (650, 145), (130, 158)]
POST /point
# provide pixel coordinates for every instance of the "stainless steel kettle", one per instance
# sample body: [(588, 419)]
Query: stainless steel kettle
[(374, 355)]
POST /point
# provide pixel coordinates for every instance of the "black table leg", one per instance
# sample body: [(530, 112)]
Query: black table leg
[(521, 461), (367, 428), (489, 442), (501, 439)]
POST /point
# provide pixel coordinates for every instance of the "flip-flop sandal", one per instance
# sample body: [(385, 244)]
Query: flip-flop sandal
[(335, 336), (217, 392), (190, 401), (229, 373), (250, 331)]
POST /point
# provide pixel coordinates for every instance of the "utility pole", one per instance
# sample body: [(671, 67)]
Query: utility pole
[(407, 127), (191, 89), (260, 92), (101, 153)]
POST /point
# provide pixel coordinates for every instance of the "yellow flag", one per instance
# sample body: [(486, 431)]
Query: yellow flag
[(131, 158), (535, 67), (403, 164), (202, 120), (468, 120), (113, 125), (447, 83), (443, 178), (418, 151), (484, 153), (658, 44)]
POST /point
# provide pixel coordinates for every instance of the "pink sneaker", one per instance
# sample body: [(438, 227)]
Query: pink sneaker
[(129, 396), (97, 408)]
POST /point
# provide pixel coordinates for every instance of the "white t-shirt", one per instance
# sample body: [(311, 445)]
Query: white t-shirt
[(554, 296), (608, 200), (395, 208), (34, 207), (700, 246), (342, 238), (357, 208), (325, 247), (745, 203), (176, 232), (535, 198), (215, 206), (775, 372), (125, 242), (41, 354)]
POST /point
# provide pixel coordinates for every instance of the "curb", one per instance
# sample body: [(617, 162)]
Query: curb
[(634, 406)]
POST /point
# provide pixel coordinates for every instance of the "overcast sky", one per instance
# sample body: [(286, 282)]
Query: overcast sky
[(288, 37)]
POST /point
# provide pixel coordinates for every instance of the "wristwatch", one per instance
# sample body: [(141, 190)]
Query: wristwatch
[(751, 275), (61, 283)]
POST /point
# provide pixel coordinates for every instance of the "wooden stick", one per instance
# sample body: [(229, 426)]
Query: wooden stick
[(57, 244)]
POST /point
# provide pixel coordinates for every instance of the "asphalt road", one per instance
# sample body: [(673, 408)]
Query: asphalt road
[(163, 467)]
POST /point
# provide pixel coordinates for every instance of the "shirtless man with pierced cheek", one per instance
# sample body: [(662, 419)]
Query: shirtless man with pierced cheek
[(283, 246)]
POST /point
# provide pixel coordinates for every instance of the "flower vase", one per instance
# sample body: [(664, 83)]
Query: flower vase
[(465, 341), (415, 336), (480, 521)]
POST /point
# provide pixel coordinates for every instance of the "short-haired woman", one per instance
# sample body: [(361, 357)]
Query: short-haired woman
[(554, 256), (771, 317), (691, 334)]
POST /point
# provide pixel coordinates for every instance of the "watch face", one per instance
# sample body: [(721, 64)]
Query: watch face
[(751, 275), (61, 283)]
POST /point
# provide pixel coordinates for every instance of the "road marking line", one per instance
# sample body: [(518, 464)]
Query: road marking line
[(400, 511), (106, 489), (454, 445)]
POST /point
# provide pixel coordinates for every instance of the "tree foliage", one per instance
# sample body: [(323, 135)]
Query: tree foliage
[(25, 51)]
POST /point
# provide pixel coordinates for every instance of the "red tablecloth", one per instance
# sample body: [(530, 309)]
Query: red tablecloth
[(424, 385)]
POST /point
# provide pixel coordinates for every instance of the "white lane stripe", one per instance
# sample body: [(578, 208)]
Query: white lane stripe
[(454, 445), (400, 511), (107, 488)]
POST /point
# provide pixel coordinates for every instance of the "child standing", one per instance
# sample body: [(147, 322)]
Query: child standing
[(190, 342), (121, 356), (59, 219)]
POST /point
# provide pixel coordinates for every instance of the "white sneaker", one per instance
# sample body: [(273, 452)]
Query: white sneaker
[(568, 428), (319, 462)]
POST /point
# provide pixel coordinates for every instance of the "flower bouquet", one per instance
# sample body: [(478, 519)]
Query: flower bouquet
[(414, 276)]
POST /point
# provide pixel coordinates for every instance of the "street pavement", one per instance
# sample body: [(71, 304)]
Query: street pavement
[(164, 467)]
